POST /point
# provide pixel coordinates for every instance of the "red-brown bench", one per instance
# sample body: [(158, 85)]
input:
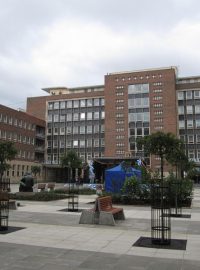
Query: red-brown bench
[(108, 213)]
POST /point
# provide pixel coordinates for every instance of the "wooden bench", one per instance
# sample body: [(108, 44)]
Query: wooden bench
[(108, 213), (41, 186), (50, 186)]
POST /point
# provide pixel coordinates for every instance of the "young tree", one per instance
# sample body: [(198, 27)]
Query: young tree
[(35, 170), (71, 160), (160, 144), (7, 153)]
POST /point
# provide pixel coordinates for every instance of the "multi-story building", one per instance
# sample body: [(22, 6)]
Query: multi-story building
[(134, 104), (28, 134)]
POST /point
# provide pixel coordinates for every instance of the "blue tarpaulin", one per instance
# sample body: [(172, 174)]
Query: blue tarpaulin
[(115, 177)]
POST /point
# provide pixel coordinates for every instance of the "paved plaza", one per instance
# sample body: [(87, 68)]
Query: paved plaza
[(54, 240)]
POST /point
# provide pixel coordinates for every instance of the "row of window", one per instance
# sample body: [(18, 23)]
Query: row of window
[(77, 130), (154, 76), (189, 109), (26, 154), (136, 117), (76, 117), (189, 123), (16, 122), (13, 136), (18, 170), (138, 102), (76, 143), (78, 103), (53, 159), (190, 94), (190, 138)]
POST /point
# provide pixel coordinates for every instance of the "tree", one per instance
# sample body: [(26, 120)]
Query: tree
[(178, 158), (7, 153), (71, 160), (35, 170), (160, 144)]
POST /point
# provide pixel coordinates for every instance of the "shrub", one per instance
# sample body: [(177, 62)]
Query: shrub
[(39, 196)]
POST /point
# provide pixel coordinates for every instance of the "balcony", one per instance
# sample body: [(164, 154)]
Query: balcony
[(39, 149), (40, 135)]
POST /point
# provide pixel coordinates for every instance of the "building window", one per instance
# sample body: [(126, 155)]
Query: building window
[(190, 139), (197, 109), (69, 104), (191, 154), (56, 105), (96, 115), (68, 144), (75, 130), (69, 117), (62, 104), (75, 143), (198, 138), (180, 95), (89, 102), (188, 94), (189, 109), (56, 117), (96, 142), (96, 129), (96, 102), (69, 130), (181, 110), (89, 143), (197, 94), (138, 88), (189, 123), (82, 103), (197, 123), (75, 117), (89, 116), (82, 129), (89, 129), (82, 143), (82, 116), (62, 118)]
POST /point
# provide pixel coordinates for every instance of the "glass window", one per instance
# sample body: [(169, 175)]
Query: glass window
[(75, 117), (56, 117), (62, 130), (82, 102), (197, 108), (146, 131), (190, 139), (50, 105), (96, 142), (190, 123), (198, 138), (181, 110), (89, 143), (89, 116), (146, 117), (102, 101), (138, 88), (188, 94), (62, 104), (49, 119), (191, 154), (180, 95), (96, 115), (96, 102), (76, 103), (62, 118), (102, 142), (197, 123), (102, 128), (75, 130), (69, 104), (82, 143), (69, 130), (69, 117), (131, 103), (56, 105), (181, 124), (139, 131), (82, 116), (189, 109), (62, 144), (96, 129), (68, 144), (89, 129), (197, 94), (75, 143), (82, 129), (102, 115), (89, 102)]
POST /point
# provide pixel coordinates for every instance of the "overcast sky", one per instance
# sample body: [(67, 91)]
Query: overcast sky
[(46, 43)]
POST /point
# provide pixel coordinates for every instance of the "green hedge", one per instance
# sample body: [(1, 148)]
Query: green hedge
[(39, 196)]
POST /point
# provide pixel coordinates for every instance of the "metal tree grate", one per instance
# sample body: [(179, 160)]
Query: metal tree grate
[(176, 198), (160, 215), (73, 199), (4, 203)]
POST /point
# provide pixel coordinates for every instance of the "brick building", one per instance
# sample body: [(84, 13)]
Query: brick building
[(134, 103), (28, 134)]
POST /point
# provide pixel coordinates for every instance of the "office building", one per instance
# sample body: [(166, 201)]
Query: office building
[(28, 134)]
